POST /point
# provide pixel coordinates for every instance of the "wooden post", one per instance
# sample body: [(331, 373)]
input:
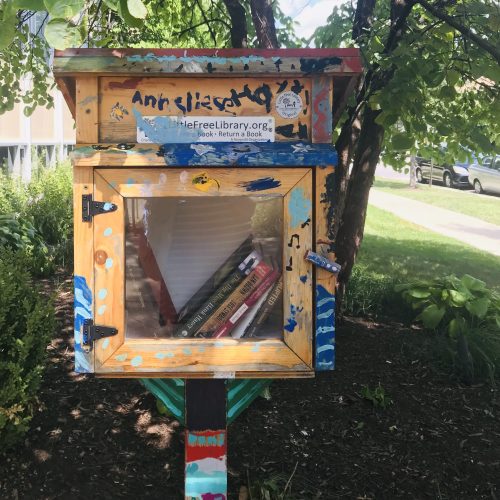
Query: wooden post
[(205, 440)]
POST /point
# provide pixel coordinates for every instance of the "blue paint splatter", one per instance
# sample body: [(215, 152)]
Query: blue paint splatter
[(325, 329), (101, 310), (299, 207), (105, 344), (130, 181), (166, 129), (121, 357), (83, 311), (109, 263), (107, 206), (136, 361), (163, 355), (256, 348), (103, 293), (187, 351), (108, 231), (260, 184), (291, 321), (303, 278)]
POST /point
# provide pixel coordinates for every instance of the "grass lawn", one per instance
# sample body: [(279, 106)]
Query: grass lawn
[(483, 207), (404, 251)]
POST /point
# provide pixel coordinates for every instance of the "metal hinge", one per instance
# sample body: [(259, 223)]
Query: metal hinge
[(91, 207), (93, 332)]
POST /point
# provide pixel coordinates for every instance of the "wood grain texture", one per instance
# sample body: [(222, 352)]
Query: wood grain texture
[(146, 183), (216, 62), (87, 119), (278, 154), (325, 281), (126, 100), (192, 358), (67, 88), (109, 261), (298, 282), (83, 183), (322, 95)]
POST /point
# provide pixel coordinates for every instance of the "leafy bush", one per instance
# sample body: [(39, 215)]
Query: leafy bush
[(26, 324), (378, 397), (50, 208), (45, 205), (370, 294), (20, 236), (467, 313)]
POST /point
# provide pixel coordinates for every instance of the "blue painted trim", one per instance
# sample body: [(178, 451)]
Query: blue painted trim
[(239, 154), (325, 329)]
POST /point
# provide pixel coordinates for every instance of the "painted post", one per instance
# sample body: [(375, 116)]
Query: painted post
[(205, 440)]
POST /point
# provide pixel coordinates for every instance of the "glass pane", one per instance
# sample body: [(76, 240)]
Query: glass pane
[(204, 267)]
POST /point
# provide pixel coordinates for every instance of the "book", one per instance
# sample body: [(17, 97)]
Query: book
[(203, 313), (266, 310), (247, 305), (234, 300), (215, 281), (241, 326)]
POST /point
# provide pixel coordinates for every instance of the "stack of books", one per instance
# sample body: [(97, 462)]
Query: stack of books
[(240, 304)]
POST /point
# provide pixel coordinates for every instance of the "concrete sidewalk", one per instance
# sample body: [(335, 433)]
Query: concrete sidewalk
[(470, 230)]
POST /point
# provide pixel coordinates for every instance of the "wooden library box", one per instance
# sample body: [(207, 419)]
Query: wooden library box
[(202, 208)]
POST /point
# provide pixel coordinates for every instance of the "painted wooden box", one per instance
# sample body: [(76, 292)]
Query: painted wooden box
[(201, 205)]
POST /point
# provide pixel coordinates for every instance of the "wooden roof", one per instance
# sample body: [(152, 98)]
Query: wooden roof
[(343, 65)]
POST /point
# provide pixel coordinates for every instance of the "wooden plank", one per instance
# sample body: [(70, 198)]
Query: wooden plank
[(67, 88), (87, 119), (128, 101), (325, 281), (216, 62), (109, 262), (307, 372), (322, 94), (206, 155), (222, 358), (297, 273), (83, 183), (205, 440), (146, 183)]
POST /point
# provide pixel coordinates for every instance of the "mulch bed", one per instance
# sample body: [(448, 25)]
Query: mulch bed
[(104, 439)]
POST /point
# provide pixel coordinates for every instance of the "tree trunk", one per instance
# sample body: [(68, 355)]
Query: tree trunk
[(263, 20), (239, 33), (352, 225), (413, 172)]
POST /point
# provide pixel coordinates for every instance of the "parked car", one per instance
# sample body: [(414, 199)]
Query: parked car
[(485, 175), (456, 175)]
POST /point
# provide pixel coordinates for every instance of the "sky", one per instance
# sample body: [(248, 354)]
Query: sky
[(309, 13)]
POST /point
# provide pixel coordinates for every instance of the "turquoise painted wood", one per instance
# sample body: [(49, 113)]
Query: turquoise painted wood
[(240, 394)]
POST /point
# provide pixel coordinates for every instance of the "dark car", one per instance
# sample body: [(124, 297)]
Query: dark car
[(456, 175)]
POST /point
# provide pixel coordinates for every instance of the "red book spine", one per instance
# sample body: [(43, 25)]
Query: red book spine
[(268, 281)]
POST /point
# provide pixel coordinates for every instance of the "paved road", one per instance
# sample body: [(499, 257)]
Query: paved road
[(470, 230)]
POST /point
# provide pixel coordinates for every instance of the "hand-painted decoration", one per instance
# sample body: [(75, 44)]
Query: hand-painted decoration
[(118, 112), (322, 110), (83, 311), (261, 184), (291, 322), (289, 104), (206, 465), (323, 262), (299, 207), (325, 329), (204, 183)]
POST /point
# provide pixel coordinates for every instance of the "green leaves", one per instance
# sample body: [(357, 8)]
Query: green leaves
[(34, 5), (431, 316), (64, 9), (137, 9), (402, 142), (60, 34)]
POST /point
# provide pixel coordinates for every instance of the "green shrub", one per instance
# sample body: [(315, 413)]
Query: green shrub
[(50, 208), (13, 195), (20, 236), (370, 294), (467, 314), (26, 324)]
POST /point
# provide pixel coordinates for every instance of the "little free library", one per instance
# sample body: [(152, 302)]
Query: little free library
[(202, 208)]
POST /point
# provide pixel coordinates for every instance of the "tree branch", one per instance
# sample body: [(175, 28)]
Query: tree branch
[(466, 32), (263, 20), (238, 17), (212, 33)]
